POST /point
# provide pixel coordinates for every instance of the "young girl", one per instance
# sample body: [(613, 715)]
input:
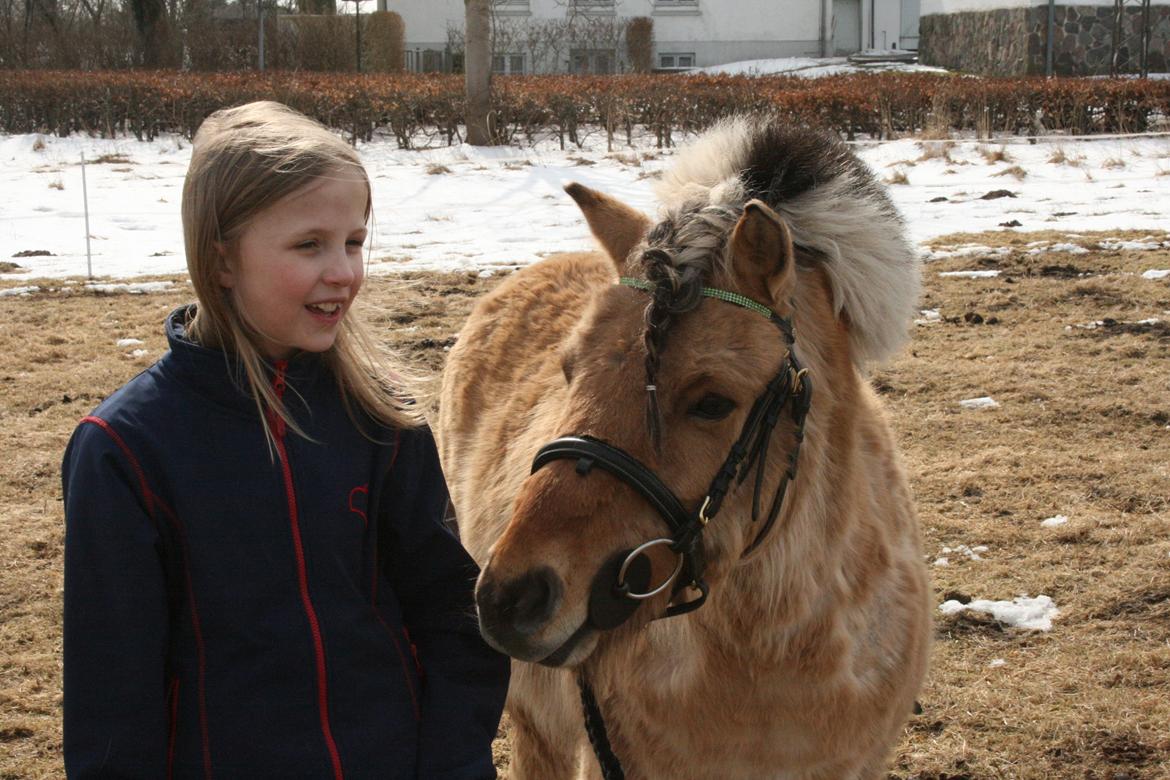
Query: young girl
[(258, 583)]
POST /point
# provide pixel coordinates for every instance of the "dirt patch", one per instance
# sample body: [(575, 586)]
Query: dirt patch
[(1081, 431)]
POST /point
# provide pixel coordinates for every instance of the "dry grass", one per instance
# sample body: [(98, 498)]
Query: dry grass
[(1013, 170), (437, 169), (937, 150), (995, 155), (1081, 431), (898, 177)]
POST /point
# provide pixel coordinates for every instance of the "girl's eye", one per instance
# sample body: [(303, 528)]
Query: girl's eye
[(307, 245), (712, 407), (355, 242)]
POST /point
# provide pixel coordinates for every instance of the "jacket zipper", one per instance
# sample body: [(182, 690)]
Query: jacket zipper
[(276, 423)]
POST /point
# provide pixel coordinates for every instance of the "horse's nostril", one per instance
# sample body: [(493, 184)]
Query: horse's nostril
[(522, 605)]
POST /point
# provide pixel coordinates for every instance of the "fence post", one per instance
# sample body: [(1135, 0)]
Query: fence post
[(85, 201)]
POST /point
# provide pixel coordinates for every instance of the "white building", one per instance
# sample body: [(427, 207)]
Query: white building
[(686, 33)]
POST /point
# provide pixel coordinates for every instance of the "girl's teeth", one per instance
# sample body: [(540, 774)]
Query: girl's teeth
[(326, 308)]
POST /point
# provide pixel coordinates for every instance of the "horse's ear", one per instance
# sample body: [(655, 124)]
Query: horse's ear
[(761, 253), (617, 226)]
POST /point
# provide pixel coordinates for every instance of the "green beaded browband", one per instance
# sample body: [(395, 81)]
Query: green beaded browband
[(709, 292)]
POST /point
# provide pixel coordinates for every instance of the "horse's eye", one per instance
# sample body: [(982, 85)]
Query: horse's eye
[(712, 407)]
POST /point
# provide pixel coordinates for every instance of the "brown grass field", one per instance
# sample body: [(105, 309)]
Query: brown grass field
[(1083, 430)]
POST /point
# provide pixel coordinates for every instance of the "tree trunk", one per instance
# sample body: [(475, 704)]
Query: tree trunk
[(150, 20), (477, 67)]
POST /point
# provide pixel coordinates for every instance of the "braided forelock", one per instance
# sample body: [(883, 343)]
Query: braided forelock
[(683, 251)]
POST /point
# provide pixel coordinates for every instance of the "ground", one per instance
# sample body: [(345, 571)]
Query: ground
[(1066, 343)]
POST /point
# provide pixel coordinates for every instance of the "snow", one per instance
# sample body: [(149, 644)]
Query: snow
[(1156, 273), (971, 553), (984, 402), (970, 274), (809, 67), (23, 292), (1072, 249), (504, 207), (996, 663), (1034, 614), (1053, 522), (129, 342)]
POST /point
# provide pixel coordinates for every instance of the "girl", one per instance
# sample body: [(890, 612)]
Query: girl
[(258, 582)]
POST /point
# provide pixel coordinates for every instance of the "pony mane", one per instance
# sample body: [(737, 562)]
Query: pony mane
[(831, 201)]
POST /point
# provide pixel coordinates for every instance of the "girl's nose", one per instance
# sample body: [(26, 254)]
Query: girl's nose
[(342, 269)]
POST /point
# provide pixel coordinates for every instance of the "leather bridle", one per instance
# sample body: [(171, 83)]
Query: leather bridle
[(622, 584)]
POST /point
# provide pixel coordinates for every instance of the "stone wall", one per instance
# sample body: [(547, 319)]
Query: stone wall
[(1012, 41)]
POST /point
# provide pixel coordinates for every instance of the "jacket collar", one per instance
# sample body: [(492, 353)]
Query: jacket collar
[(218, 374)]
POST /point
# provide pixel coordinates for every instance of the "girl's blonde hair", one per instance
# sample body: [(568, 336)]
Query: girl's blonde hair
[(245, 160)]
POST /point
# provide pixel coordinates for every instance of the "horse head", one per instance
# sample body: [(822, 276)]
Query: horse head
[(670, 368)]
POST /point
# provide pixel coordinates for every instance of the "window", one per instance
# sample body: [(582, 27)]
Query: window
[(585, 6), (677, 7), (676, 61), (510, 7), (592, 61), (508, 64)]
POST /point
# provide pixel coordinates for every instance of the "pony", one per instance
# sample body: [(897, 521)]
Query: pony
[(695, 533)]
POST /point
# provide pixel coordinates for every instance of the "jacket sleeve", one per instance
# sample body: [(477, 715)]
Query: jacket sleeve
[(434, 578), (116, 624)]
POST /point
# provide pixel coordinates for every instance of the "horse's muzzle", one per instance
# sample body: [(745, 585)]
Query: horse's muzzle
[(513, 613)]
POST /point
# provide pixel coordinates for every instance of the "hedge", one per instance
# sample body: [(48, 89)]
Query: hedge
[(146, 103)]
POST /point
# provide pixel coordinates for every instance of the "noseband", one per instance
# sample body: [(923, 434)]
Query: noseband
[(623, 583)]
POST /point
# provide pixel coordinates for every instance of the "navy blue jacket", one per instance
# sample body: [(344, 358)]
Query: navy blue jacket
[(232, 615)]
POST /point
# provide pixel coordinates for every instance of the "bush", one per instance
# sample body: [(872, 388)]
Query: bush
[(875, 105)]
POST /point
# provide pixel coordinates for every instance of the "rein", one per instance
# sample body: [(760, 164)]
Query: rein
[(622, 584)]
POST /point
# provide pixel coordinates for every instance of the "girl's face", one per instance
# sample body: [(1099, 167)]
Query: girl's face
[(296, 267)]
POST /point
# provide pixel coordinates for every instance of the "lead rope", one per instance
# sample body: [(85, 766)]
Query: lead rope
[(611, 767)]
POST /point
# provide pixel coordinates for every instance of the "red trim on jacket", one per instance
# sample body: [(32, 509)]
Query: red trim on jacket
[(277, 425), (153, 500)]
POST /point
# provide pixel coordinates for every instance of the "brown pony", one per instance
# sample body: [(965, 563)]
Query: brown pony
[(789, 628)]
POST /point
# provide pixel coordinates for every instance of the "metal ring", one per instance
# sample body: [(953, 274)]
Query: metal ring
[(621, 579)]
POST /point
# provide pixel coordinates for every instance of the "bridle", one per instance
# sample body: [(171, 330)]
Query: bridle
[(622, 583), (788, 389)]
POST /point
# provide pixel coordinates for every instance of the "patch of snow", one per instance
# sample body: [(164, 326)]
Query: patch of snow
[(1053, 522), (809, 67), (964, 250), (1156, 273), (1138, 246), (942, 561), (23, 292), (1072, 249), (1034, 614), (929, 317), (972, 553), (970, 274), (136, 288), (983, 402), (138, 353), (996, 663), (130, 342)]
